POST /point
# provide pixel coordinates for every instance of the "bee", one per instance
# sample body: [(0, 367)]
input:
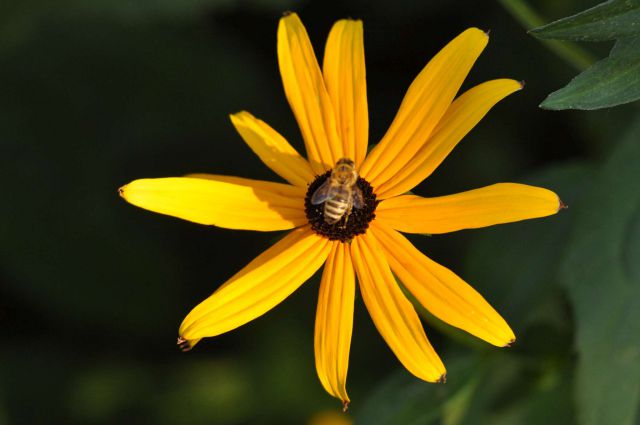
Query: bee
[(339, 192)]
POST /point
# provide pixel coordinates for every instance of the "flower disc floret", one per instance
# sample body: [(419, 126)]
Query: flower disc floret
[(349, 226)]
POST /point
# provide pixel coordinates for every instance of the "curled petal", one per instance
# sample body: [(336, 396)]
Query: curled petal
[(394, 316), (307, 94), (334, 321), (345, 78)]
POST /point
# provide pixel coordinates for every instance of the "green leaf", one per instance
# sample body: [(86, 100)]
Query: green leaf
[(607, 21), (489, 389), (612, 81), (518, 392), (403, 399), (601, 274), (548, 403)]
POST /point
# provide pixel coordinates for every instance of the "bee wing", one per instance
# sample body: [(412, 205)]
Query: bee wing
[(322, 193), (358, 197)]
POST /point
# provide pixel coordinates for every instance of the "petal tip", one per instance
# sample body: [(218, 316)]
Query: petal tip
[(510, 343), (562, 205), (522, 84), (121, 191), (183, 345), (239, 119), (478, 32), (289, 16), (442, 379), (286, 22), (345, 405)]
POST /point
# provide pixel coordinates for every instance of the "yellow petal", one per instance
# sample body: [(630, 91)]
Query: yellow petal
[(261, 285), (345, 77), (441, 291), (495, 204), (425, 103), (223, 201), (273, 149), (393, 315), (307, 94), (334, 321), (463, 114)]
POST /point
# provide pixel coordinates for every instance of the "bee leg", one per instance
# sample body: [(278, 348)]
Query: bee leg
[(347, 214)]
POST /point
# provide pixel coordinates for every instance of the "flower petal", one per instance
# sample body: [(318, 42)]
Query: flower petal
[(345, 77), (307, 94), (394, 316), (425, 103), (495, 204), (223, 201), (441, 291), (463, 114), (334, 321), (273, 149), (261, 285)]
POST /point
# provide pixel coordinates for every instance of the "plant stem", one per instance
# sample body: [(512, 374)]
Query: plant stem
[(571, 52)]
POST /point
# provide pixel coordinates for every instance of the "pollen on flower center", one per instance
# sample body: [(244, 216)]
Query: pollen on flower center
[(355, 223)]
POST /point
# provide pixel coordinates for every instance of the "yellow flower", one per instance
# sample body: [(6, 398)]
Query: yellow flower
[(330, 105)]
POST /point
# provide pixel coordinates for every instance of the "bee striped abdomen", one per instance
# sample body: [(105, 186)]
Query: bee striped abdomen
[(334, 209)]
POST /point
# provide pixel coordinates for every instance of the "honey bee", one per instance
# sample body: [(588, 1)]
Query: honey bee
[(339, 192)]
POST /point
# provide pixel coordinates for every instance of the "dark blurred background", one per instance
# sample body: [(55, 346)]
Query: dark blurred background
[(92, 290)]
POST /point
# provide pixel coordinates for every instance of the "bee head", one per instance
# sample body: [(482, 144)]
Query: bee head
[(345, 171)]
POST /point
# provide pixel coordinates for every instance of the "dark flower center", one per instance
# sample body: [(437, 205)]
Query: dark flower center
[(350, 225)]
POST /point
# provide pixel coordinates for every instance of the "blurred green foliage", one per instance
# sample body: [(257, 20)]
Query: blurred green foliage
[(601, 275), (92, 290)]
